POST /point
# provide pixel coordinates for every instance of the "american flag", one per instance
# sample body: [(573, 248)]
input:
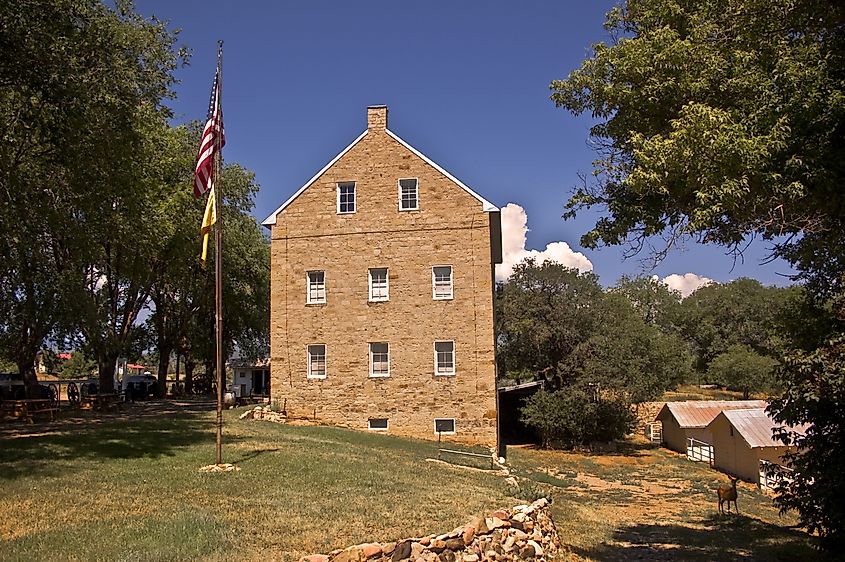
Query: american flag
[(212, 132)]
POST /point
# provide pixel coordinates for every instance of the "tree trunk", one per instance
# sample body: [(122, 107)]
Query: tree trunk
[(26, 368), (164, 351), (190, 364), (105, 368)]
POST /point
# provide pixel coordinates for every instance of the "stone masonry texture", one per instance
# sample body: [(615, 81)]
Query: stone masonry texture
[(450, 228)]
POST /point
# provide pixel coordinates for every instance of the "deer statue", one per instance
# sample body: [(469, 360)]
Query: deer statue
[(727, 494)]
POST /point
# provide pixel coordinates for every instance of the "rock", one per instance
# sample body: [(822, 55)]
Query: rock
[(479, 525), (519, 535), (490, 555), (315, 558), (468, 534), (351, 554), (538, 550), (437, 545), (447, 556), (540, 504), (370, 550), (402, 551), (518, 516), (416, 550), (455, 544), (501, 514), (496, 523), (470, 558), (527, 552), (388, 548), (425, 541)]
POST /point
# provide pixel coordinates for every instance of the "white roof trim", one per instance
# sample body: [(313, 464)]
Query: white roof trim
[(272, 218), (486, 205)]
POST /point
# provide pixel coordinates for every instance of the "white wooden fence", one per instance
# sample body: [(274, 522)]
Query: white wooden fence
[(699, 451), (771, 474), (654, 432)]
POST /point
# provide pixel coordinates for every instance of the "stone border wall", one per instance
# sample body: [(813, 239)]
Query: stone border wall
[(524, 532)]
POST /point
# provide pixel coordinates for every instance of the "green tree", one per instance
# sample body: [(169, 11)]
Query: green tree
[(742, 312), (718, 120), (572, 417), (545, 311), (721, 121), (628, 357), (742, 368), (815, 391), (79, 366), (77, 81), (654, 301)]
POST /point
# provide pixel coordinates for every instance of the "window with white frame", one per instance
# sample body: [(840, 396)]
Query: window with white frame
[(346, 197), (444, 358), (441, 282), (377, 424), (316, 287), (409, 195), (317, 361), (378, 284), (380, 359), (444, 426)]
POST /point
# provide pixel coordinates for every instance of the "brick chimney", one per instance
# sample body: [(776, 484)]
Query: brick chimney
[(377, 117)]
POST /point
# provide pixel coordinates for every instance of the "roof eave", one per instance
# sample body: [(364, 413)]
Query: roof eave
[(486, 205), (271, 220)]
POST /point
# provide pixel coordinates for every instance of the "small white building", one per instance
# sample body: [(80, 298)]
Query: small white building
[(251, 378), (743, 443)]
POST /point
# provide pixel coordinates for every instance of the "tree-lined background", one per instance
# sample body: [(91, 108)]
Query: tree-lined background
[(101, 252)]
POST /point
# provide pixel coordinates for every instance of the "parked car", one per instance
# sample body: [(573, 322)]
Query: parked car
[(141, 387)]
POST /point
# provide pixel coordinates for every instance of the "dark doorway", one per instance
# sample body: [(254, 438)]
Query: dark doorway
[(511, 400)]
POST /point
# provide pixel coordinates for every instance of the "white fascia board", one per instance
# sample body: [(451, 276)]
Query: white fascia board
[(271, 220), (486, 205)]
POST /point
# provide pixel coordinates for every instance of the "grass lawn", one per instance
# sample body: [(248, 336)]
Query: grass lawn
[(127, 487)]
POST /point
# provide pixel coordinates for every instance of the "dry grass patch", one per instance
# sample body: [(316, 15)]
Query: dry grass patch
[(643, 502)]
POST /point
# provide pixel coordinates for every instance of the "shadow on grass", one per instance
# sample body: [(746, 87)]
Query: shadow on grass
[(151, 434), (720, 538)]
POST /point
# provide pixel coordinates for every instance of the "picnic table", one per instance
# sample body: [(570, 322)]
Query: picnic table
[(101, 402), (27, 409)]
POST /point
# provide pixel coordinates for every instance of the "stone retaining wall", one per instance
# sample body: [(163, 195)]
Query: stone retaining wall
[(524, 532), (645, 413)]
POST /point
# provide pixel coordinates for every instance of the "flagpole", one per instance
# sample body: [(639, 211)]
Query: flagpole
[(218, 264)]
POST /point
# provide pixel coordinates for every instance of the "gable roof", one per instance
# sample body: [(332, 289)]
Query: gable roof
[(486, 205), (699, 413), (755, 426)]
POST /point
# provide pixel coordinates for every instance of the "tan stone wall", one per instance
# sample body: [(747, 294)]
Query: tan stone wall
[(449, 229)]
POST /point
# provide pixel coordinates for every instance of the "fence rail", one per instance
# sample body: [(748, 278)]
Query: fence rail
[(699, 451), (771, 474)]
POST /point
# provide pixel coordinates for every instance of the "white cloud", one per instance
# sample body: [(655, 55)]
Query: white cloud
[(514, 230), (687, 283)]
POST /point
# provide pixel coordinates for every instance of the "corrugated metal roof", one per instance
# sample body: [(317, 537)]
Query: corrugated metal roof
[(699, 413), (755, 426)]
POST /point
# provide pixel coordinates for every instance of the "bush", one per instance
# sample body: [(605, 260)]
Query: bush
[(570, 417)]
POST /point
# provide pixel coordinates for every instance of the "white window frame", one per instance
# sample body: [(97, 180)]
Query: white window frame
[(325, 360), (399, 184), (354, 197), (308, 299), (386, 297), (434, 294), (370, 424), (454, 426), (437, 372), (370, 353)]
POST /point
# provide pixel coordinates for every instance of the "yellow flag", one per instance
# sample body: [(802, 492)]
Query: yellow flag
[(208, 219)]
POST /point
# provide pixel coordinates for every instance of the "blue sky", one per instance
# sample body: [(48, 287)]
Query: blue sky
[(466, 83)]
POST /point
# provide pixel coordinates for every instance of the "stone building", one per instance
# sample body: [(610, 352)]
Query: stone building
[(382, 280)]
